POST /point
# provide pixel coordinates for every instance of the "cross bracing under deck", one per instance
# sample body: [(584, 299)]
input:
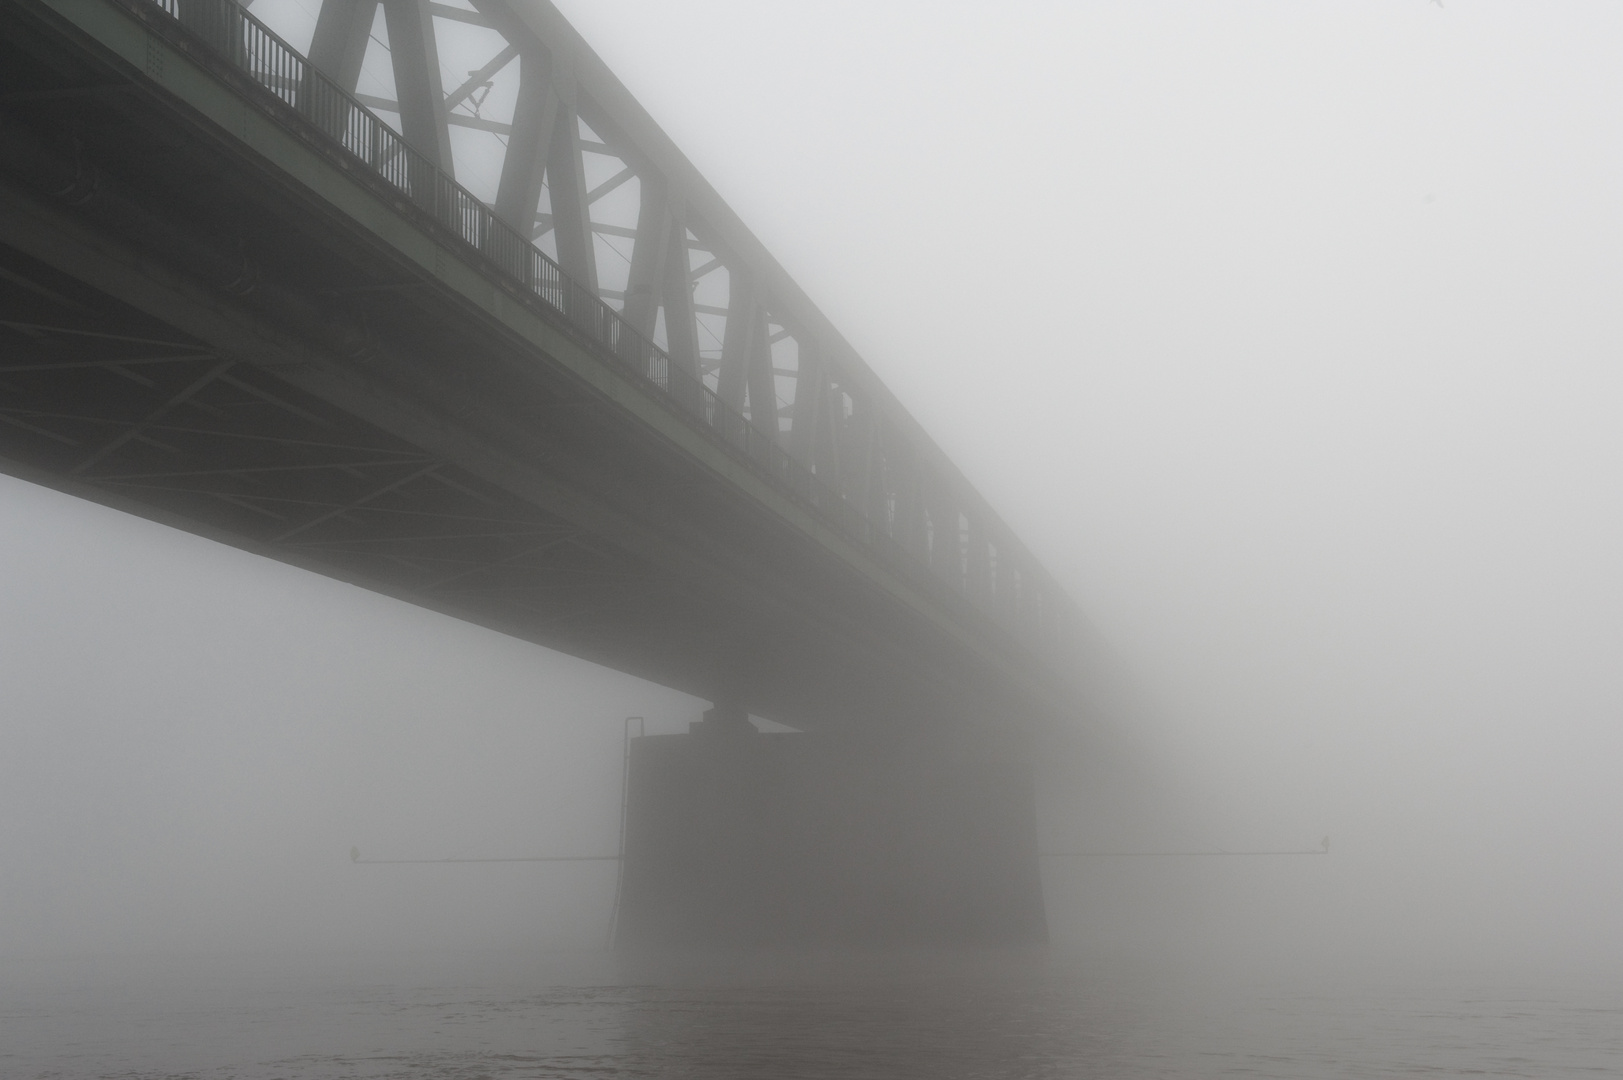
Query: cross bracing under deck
[(237, 299), (203, 439)]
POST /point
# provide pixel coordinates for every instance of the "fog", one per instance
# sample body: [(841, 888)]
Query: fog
[(1284, 333)]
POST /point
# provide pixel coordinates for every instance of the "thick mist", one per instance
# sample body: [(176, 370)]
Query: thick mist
[(1284, 333), (196, 737)]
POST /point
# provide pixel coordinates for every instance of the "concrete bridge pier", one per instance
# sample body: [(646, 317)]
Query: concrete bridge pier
[(738, 839)]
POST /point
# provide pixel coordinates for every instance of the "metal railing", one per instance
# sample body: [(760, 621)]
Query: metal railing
[(253, 48)]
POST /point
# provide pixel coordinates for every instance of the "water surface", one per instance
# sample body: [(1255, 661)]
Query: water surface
[(941, 1017)]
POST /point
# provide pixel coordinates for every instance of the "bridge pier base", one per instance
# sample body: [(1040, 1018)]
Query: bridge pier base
[(737, 839)]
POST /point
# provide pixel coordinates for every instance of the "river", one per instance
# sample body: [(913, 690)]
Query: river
[(1037, 1015)]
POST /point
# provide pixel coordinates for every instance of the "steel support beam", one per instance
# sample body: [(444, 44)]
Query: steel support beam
[(417, 84), (343, 30), (681, 328), (946, 545), (737, 342), (810, 383), (645, 278), (479, 78), (977, 560), (865, 464), (758, 374), (524, 167), (827, 430), (909, 529), (566, 183)]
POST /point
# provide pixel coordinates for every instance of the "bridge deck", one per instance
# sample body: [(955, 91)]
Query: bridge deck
[(216, 314)]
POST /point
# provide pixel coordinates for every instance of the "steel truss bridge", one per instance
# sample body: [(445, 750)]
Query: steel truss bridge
[(435, 307)]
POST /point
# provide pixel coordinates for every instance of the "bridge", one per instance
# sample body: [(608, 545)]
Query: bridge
[(433, 306)]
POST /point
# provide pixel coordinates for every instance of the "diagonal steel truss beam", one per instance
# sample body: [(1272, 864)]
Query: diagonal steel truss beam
[(246, 470), (133, 361), (357, 504), (151, 418), (534, 549), (71, 331), (478, 78)]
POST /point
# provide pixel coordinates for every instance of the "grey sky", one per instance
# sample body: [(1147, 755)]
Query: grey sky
[(1284, 333)]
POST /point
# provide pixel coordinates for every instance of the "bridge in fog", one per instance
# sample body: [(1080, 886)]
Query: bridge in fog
[(430, 304)]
